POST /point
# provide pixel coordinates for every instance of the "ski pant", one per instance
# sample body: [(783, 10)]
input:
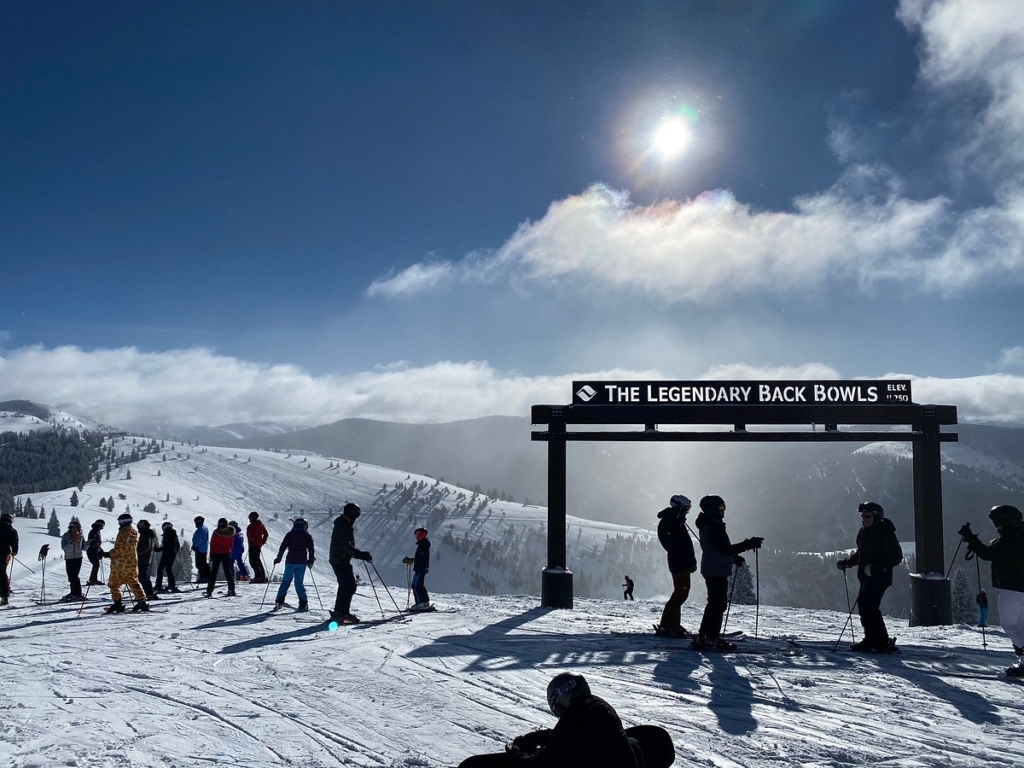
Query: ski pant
[(221, 561), (73, 568), (166, 565), (718, 601), (5, 582), (671, 617), (295, 571), (116, 582), (203, 566), (95, 559), (256, 561), (1011, 615), (346, 588), (869, 601), (628, 595), (418, 588), (651, 746), (144, 580), (237, 561)]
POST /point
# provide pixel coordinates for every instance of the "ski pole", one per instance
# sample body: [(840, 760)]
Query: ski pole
[(310, 569), (843, 630), (731, 590), (374, 588), (757, 591), (16, 560), (849, 607), (383, 584), (269, 581), (967, 556), (88, 586), (408, 584), (977, 562)]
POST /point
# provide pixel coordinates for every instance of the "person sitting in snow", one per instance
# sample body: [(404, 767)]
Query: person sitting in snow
[(124, 567), (420, 565), (299, 545), (588, 733)]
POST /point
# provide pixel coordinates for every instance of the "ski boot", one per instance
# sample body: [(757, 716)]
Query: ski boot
[(140, 607), (115, 607), (278, 605), (1017, 670), (303, 606)]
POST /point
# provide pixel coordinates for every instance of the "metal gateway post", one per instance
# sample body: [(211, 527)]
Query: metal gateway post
[(866, 404)]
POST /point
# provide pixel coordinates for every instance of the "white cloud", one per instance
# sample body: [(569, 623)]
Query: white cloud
[(197, 387), (1011, 358), (418, 278)]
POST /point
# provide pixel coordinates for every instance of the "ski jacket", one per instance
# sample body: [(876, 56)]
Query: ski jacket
[(1006, 553), (72, 542), (421, 560), (222, 540), (879, 548), (147, 544), (676, 541), (8, 542), (238, 546), (201, 539), (256, 533), (95, 539), (169, 546), (343, 542), (125, 554), (299, 544), (588, 735), (717, 552)]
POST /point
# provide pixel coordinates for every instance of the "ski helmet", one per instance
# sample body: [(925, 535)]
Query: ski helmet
[(1003, 515), (420, 534), (167, 525), (124, 519), (254, 516), (352, 511), (300, 522), (563, 688), (6, 518), (870, 508), (680, 502), (712, 504), (99, 524)]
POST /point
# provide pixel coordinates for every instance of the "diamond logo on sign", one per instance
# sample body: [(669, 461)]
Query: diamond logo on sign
[(586, 393)]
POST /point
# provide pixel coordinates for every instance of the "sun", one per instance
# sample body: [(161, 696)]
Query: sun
[(671, 137)]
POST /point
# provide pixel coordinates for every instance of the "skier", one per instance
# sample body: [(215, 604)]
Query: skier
[(94, 551), (73, 544), (628, 593), (220, 556), (124, 567), (682, 562), (256, 533), (238, 552), (299, 544), (201, 546), (343, 549), (8, 551), (168, 550), (420, 565), (878, 552), (588, 733), (146, 547), (1006, 553), (718, 555)]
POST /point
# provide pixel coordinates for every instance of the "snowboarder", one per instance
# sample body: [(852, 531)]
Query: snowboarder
[(343, 549), (627, 593), (8, 551), (1006, 553), (257, 536), (94, 551), (420, 565), (682, 562), (146, 547), (878, 552), (299, 545), (124, 567), (238, 553), (588, 732), (201, 546), (168, 549), (718, 555), (73, 544), (220, 556)]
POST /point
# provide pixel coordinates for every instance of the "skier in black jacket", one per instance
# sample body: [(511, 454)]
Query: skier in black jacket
[(718, 556), (94, 551), (589, 734), (168, 550), (878, 552), (8, 551), (682, 562), (420, 563), (343, 550), (1006, 552)]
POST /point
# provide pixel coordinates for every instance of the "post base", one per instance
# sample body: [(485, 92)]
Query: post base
[(556, 588)]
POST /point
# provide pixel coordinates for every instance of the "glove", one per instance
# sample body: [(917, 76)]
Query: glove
[(843, 564), (309, 563), (407, 561), (738, 560), (367, 557), (513, 754), (966, 532), (277, 560), (755, 542)]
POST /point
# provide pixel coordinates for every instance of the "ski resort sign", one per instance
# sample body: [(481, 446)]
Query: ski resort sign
[(886, 392)]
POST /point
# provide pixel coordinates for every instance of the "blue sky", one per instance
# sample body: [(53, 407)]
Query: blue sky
[(427, 211)]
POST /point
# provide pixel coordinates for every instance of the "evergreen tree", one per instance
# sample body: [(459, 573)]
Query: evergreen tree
[(29, 510), (743, 592), (965, 609), (129, 475), (53, 526), (42, 512), (74, 498)]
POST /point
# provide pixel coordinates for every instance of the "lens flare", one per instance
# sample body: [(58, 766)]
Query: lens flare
[(672, 137)]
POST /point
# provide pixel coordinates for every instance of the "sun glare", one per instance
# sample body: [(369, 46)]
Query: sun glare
[(671, 137)]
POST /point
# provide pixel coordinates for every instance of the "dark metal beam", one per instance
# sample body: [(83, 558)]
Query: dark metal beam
[(740, 437)]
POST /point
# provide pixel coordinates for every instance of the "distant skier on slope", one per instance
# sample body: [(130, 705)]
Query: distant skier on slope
[(1006, 553), (588, 733), (343, 550), (682, 563), (878, 552), (628, 593), (124, 567), (299, 545), (420, 565)]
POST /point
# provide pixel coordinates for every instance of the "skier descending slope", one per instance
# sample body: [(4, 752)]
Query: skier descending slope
[(343, 549)]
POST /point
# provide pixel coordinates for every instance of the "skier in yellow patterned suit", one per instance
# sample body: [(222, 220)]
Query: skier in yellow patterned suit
[(124, 567)]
